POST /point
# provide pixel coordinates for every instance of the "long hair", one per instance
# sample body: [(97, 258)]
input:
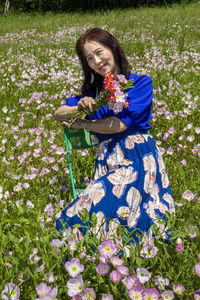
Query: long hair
[(93, 80)]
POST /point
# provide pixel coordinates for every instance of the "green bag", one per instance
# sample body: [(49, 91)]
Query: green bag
[(80, 138)]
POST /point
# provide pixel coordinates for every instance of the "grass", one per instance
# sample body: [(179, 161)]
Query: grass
[(38, 69)]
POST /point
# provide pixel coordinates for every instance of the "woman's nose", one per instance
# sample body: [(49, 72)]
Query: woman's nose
[(97, 59)]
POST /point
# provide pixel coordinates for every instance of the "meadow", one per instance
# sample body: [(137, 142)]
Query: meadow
[(38, 70)]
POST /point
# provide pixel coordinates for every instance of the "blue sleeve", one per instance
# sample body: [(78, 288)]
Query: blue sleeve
[(138, 114), (73, 101)]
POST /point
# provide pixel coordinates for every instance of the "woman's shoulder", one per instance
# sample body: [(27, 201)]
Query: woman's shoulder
[(138, 78), (141, 83)]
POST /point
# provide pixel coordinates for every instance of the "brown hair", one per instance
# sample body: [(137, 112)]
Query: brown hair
[(92, 80)]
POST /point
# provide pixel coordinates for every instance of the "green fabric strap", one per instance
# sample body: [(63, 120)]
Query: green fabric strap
[(69, 163)]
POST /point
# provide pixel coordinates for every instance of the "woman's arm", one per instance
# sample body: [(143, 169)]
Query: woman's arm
[(61, 112), (107, 125)]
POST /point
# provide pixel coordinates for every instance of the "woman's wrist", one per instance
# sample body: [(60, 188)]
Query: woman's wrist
[(80, 124)]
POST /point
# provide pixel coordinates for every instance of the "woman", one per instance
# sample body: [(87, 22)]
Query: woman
[(130, 185)]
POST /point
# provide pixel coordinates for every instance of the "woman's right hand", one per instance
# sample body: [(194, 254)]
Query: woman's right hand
[(64, 113), (86, 102)]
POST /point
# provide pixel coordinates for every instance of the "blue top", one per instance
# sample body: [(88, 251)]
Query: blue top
[(137, 115)]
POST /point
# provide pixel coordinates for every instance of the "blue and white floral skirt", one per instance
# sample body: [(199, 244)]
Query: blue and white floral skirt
[(130, 187)]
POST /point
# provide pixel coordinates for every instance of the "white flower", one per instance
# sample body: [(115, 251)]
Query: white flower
[(74, 267), (75, 286), (143, 275), (5, 110)]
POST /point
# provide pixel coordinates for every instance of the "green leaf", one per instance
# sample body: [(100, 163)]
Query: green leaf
[(138, 261), (84, 216), (94, 220)]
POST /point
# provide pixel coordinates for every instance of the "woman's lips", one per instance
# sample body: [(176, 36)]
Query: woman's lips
[(102, 67)]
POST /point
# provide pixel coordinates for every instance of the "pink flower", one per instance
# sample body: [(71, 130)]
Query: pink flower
[(107, 297), (88, 294), (123, 270), (192, 231), (59, 151), (197, 295), (57, 243), (188, 126), (75, 286), (188, 195), (136, 293), (41, 268), (50, 278), (148, 251), (74, 267), (108, 248), (122, 79), (33, 257), (115, 276), (171, 130), (170, 151), (190, 138), (178, 289), (197, 269), (143, 275), (84, 152), (197, 130), (161, 282), (11, 291), (132, 281), (43, 289), (167, 295), (162, 150), (184, 162), (116, 261), (102, 269), (151, 294), (179, 248)]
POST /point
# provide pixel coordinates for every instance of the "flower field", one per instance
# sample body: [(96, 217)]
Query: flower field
[(38, 70)]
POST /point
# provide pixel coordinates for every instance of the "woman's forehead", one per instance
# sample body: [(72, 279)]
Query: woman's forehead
[(92, 46)]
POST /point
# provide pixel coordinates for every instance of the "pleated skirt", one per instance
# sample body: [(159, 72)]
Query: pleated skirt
[(130, 188)]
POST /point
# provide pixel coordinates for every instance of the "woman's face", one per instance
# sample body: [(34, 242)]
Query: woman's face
[(99, 58)]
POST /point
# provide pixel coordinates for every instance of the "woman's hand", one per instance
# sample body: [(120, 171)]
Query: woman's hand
[(86, 102), (64, 113)]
